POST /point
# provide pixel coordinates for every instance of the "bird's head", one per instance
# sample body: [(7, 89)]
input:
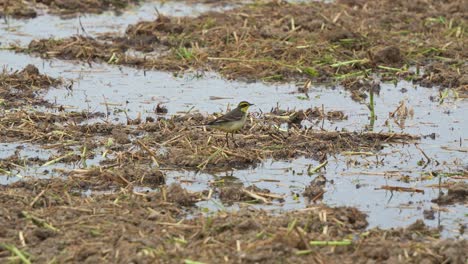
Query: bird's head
[(244, 106)]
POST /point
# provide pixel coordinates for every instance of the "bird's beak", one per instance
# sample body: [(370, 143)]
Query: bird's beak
[(250, 104)]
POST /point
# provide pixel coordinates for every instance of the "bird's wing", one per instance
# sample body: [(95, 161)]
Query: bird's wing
[(234, 115)]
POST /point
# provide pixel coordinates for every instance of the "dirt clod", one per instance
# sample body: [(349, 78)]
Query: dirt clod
[(388, 55), (429, 214), (457, 193), (315, 190), (176, 194), (20, 88)]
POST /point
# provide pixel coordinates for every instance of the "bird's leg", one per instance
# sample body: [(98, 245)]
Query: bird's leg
[(227, 140), (233, 140)]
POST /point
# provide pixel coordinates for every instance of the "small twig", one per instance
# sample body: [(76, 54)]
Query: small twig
[(81, 26), (400, 189), (149, 152), (15, 251), (38, 221), (317, 196), (57, 159), (343, 242), (255, 196), (37, 198), (177, 225), (311, 171), (424, 154)]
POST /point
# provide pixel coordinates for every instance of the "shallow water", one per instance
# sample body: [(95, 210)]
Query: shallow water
[(22, 31), (354, 183), (38, 168), (355, 178)]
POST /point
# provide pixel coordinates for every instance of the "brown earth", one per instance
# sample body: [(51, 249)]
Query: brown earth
[(16, 9), (22, 88), (66, 7), (51, 220), (456, 193), (27, 8), (180, 142), (282, 42), (97, 214)]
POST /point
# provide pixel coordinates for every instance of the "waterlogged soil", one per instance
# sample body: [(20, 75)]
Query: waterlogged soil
[(71, 8), (21, 88), (106, 180), (179, 141), (31, 9), (50, 220), (103, 174), (276, 41)]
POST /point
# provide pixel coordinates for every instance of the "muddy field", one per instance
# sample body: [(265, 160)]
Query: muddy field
[(354, 152)]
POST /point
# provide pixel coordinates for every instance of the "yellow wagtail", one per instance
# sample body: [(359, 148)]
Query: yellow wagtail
[(232, 121)]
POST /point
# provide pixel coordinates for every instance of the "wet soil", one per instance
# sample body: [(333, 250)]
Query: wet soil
[(55, 222), (16, 9), (21, 88), (279, 42), (65, 7), (30, 9), (114, 192), (457, 193), (180, 142)]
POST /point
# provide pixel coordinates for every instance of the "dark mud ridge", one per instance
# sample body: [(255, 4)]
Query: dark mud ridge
[(24, 87), (29, 8)]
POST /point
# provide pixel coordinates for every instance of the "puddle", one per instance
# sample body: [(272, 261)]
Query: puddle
[(24, 152), (355, 186), (355, 178), (32, 162), (107, 88), (9, 149), (117, 89), (22, 31)]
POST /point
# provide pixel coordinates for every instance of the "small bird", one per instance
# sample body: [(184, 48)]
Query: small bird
[(232, 121)]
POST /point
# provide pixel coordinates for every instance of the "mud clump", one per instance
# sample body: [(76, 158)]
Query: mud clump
[(75, 7), (109, 179), (27, 8), (16, 9), (231, 194), (178, 195), (296, 117), (445, 75), (315, 190), (388, 55), (76, 47), (21, 88), (457, 193)]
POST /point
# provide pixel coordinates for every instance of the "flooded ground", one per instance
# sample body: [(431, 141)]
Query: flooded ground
[(46, 25), (322, 171)]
